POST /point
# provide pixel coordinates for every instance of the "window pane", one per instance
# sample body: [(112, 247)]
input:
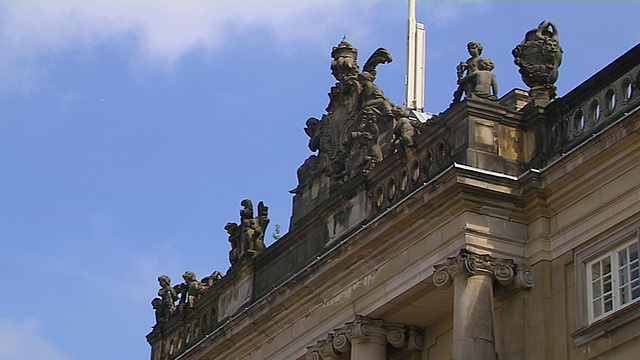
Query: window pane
[(595, 270), (597, 308), (606, 285), (622, 257), (608, 303), (633, 252), (596, 289), (624, 295), (624, 277), (606, 266), (635, 293)]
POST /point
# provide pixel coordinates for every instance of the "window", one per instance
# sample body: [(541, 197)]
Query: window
[(613, 280)]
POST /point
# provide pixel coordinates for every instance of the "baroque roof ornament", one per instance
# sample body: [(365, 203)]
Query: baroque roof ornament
[(359, 119), (539, 56)]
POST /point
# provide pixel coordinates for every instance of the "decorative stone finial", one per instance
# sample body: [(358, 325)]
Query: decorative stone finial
[(539, 56)]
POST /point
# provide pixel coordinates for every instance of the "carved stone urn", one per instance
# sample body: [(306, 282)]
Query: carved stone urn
[(539, 56)]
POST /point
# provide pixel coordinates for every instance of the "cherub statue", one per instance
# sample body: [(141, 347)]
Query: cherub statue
[(165, 304), (236, 243), (367, 135), (372, 95), (192, 289), (313, 131), (467, 72), (404, 129), (486, 82), (208, 281)]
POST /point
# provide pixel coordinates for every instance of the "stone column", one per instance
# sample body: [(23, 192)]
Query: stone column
[(368, 339), (473, 320)]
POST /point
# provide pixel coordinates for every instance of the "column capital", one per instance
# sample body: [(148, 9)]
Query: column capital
[(365, 330), (340, 341), (326, 348), (505, 271), (313, 353), (407, 341)]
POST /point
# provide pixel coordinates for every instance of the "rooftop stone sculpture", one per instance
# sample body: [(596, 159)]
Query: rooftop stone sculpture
[(247, 239), (357, 128), (165, 304), (539, 56), (475, 78)]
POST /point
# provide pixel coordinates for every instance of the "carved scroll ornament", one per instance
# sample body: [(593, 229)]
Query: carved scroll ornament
[(504, 271)]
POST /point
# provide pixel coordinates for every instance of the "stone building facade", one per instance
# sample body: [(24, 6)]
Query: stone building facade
[(502, 228)]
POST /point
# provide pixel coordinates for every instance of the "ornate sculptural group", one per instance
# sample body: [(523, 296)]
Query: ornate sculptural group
[(348, 138), (247, 239)]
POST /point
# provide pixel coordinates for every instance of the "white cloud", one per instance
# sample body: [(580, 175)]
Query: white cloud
[(158, 32), (22, 341)]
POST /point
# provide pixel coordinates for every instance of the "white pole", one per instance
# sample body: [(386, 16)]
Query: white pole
[(414, 80)]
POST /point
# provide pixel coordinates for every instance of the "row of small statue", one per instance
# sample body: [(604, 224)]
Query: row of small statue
[(186, 294)]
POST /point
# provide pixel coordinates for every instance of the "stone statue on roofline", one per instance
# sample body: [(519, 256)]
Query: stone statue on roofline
[(539, 56), (475, 78), (247, 238), (191, 289), (234, 239), (165, 304), (404, 130)]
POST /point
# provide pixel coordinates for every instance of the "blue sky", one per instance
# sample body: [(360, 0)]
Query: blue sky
[(131, 130)]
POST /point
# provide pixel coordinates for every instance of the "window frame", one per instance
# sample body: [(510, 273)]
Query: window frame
[(588, 327), (614, 278)]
